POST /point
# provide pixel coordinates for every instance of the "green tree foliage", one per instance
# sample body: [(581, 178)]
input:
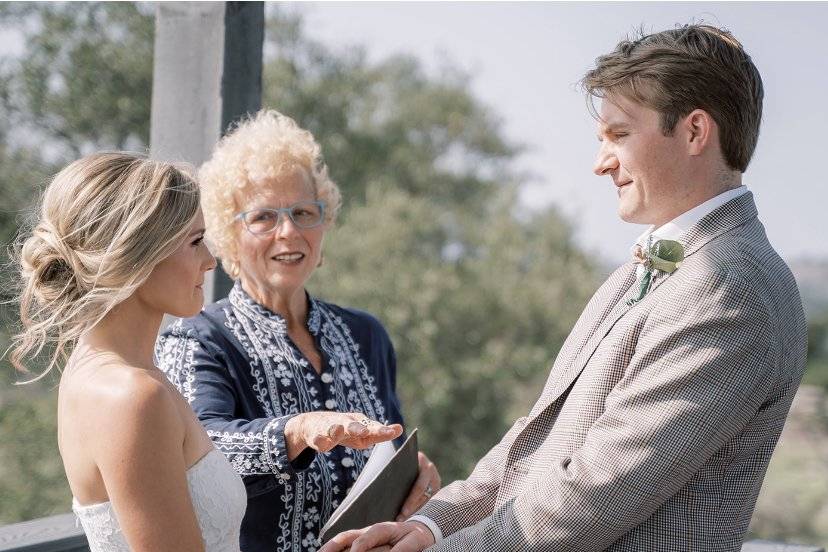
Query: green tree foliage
[(477, 295), (475, 331), (387, 123), (793, 504), (85, 79), (32, 482), (83, 82)]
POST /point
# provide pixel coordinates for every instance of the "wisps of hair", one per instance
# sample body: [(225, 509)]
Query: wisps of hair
[(104, 222)]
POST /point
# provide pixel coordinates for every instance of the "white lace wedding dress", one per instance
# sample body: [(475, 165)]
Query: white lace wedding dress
[(218, 496)]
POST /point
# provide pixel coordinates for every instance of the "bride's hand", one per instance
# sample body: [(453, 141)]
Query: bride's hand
[(322, 431)]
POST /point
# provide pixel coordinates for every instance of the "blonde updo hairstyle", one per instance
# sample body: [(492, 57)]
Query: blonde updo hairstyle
[(266, 146), (105, 221)]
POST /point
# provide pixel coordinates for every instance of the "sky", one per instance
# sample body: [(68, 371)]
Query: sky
[(526, 58)]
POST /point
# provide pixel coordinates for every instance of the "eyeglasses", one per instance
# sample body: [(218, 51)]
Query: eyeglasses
[(305, 214)]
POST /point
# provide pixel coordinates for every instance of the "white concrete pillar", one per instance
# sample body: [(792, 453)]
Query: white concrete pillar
[(207, 72)]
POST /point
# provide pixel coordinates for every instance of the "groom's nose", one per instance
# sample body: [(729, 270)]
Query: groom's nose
[(606, 162)]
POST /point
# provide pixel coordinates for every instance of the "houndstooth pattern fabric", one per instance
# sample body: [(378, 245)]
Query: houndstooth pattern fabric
[(658, 420)]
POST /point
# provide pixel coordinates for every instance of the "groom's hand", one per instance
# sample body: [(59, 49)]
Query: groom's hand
[(410, 536)]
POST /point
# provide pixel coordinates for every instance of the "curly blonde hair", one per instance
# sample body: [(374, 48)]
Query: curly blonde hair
[(105, 221), (265, 146)]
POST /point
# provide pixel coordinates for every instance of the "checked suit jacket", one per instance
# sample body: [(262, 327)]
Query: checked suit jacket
[(658, 420)]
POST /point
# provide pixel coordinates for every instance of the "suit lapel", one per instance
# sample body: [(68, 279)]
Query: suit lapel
[(616, 288), (732, 214), (618, 310), (658, 279), (609, 306), (591, 331)]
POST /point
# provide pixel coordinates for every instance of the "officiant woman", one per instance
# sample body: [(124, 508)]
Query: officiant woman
[(292, 389)]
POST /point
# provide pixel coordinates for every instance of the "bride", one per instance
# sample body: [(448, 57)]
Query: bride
[(119, 242)]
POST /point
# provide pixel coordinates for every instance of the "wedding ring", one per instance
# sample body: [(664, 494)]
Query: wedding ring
[(428, 491), (366, 422)]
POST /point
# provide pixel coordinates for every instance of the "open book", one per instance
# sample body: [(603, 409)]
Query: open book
[(380, 490)]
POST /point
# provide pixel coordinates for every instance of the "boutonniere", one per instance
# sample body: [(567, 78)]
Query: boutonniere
[(663, 255)]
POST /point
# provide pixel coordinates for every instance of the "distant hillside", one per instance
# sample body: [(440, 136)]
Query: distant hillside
[(812, 277), (793, 504)]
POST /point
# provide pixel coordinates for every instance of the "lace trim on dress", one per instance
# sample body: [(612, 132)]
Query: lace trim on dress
[(219, 500)]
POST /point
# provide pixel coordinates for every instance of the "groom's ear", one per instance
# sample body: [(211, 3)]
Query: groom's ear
[(699, 130)]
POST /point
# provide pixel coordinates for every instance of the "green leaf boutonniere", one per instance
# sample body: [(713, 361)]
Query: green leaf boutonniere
[(663, 255)]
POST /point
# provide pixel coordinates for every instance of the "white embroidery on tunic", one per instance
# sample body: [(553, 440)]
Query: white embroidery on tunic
[(251, 453), (280, 372), (284, 383), (175, 358), (351, 369)]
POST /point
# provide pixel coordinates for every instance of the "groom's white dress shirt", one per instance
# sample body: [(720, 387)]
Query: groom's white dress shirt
[(677, 227)]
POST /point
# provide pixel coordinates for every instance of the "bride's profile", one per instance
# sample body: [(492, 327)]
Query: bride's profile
[(118, 242)]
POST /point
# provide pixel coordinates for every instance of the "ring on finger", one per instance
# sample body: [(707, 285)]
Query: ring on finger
[(429, 491)]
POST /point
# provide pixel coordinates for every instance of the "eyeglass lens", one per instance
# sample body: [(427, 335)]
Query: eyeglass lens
[(304, 215)]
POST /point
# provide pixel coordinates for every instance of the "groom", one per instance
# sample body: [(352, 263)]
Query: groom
[(663, 407)]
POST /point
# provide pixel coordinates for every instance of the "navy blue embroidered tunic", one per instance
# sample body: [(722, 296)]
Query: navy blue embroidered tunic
[(244, 377)]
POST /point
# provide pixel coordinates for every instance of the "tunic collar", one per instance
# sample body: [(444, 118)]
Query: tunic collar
[(272, 320)]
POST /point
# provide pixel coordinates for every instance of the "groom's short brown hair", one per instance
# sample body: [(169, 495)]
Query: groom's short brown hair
[(687, 68)]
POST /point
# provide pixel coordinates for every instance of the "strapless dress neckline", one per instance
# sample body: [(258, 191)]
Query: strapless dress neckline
[(219, 500)]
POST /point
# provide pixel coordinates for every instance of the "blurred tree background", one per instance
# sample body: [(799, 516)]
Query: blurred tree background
[(477, 292)]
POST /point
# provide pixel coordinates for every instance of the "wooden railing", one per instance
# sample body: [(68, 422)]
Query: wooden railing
[(62, 534)]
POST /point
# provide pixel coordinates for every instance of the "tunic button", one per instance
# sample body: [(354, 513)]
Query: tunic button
[(330, 404), (347, 462), (327, 378)]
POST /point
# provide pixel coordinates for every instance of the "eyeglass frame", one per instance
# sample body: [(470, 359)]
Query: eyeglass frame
[(287, 211)]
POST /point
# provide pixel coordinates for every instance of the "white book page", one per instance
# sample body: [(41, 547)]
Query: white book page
[(380, 456)]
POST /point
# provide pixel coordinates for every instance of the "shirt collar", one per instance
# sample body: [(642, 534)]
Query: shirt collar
[(257, 311), (677, 227)]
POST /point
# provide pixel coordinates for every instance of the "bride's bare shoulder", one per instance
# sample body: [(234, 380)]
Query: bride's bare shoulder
[(114, 400)]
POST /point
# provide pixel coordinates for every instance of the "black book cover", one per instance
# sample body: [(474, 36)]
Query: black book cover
[(383, 497)]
